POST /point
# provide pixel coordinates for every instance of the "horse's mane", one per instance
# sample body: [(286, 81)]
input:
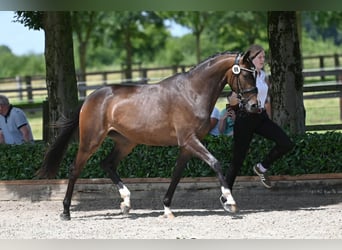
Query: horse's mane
[(205, 61)]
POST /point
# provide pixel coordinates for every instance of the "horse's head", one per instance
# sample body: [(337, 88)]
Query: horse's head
[(241, 78)]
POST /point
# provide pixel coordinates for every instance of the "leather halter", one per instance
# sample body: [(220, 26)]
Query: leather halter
[(236, 69)]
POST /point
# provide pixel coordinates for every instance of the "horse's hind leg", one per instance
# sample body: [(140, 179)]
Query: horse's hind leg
[(121, 149), (76, 168), (182, 160), (90, 140)]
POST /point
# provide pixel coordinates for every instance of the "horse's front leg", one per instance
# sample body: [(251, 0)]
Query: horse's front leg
[(226, 199), (125, 195), (183, 158)]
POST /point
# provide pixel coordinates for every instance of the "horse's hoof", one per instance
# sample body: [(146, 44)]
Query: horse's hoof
[(168, 216), (64, 216), (124, 209), (230, 208)]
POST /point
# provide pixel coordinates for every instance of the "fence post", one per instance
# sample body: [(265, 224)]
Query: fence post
[(341, 101), (45, 105), (81, 85), (174, 69), (338, 80), (321, 65), (104, 78), (28, 81), (337, 64), (143, 75), (20, 87)]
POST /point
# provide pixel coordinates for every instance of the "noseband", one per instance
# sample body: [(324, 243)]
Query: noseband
[(236, 69)]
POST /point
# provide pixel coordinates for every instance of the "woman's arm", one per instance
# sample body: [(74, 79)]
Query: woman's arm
[(2, 138)]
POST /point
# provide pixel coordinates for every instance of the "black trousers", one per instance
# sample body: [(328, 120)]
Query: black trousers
[(244, 128)]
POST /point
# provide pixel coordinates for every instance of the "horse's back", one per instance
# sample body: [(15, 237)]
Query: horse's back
[(153, 114)]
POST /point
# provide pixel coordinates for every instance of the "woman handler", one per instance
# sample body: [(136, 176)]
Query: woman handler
[(246, 124)]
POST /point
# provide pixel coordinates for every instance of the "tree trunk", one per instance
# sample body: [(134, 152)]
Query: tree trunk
[(82, 51), (129, 57), (198, 47), (286, 70), (60, 68)]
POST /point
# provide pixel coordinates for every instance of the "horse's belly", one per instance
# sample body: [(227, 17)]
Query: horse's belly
[(155, 139)]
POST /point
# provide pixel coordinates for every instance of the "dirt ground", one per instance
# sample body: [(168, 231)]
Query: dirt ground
[(293, 218)]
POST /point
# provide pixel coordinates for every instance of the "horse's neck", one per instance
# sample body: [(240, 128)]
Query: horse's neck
[(204, 92), (209, 83)]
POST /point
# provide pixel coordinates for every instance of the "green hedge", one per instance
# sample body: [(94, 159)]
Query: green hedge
[(313, 153)]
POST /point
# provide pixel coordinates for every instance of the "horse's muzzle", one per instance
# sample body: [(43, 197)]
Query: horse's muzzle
[(253, 108)]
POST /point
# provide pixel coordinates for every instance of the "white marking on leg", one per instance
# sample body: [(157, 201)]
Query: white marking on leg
[(228, 195), (168, 213), (125, 195)]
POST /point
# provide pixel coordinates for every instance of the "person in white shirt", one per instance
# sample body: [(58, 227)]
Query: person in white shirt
[(214, 119), (248, 124), (14, 126)]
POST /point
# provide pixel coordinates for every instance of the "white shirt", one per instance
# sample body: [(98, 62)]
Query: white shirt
[(262, 88), (10, 126), (216, 115)]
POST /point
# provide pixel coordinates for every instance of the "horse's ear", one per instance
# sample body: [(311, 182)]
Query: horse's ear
[(246, 56), (256, 54)]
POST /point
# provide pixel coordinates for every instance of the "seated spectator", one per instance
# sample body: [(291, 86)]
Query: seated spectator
[(214, 118), (14, 126), (227, 115)]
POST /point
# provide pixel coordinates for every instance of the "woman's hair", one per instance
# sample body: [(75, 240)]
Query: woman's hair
[(4, 100), (255, 48)]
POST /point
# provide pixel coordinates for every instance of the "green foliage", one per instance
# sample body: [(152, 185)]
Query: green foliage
[(152, 44), (313, 153), (12, 65), (20, 161)]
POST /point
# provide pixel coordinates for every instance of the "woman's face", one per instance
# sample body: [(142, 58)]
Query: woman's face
[(2, 109), (259, 60)]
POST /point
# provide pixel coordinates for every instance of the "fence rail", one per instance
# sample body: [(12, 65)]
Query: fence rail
[(29, 88), (328, 84)]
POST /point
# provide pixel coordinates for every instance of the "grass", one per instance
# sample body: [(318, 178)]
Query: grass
[(36, 122), (318, 111)]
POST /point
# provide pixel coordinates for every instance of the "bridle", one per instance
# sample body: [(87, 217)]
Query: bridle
[(236, 69)]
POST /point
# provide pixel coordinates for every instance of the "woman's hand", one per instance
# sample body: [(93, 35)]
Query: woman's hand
[(230, 113)]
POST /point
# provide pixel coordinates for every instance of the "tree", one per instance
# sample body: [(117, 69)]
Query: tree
[(137, 34), (60, 67), (59, 59), (222, 30), (325, 24), (237, 30), (84, 25), (286, 70), (196, 21)]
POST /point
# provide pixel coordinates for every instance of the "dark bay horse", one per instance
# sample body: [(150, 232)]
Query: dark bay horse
[(176, 111)]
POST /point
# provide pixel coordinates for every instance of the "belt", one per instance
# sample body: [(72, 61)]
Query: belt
[(243, 111)]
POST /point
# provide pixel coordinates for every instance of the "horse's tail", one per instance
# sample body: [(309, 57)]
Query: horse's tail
[(54, 155)]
